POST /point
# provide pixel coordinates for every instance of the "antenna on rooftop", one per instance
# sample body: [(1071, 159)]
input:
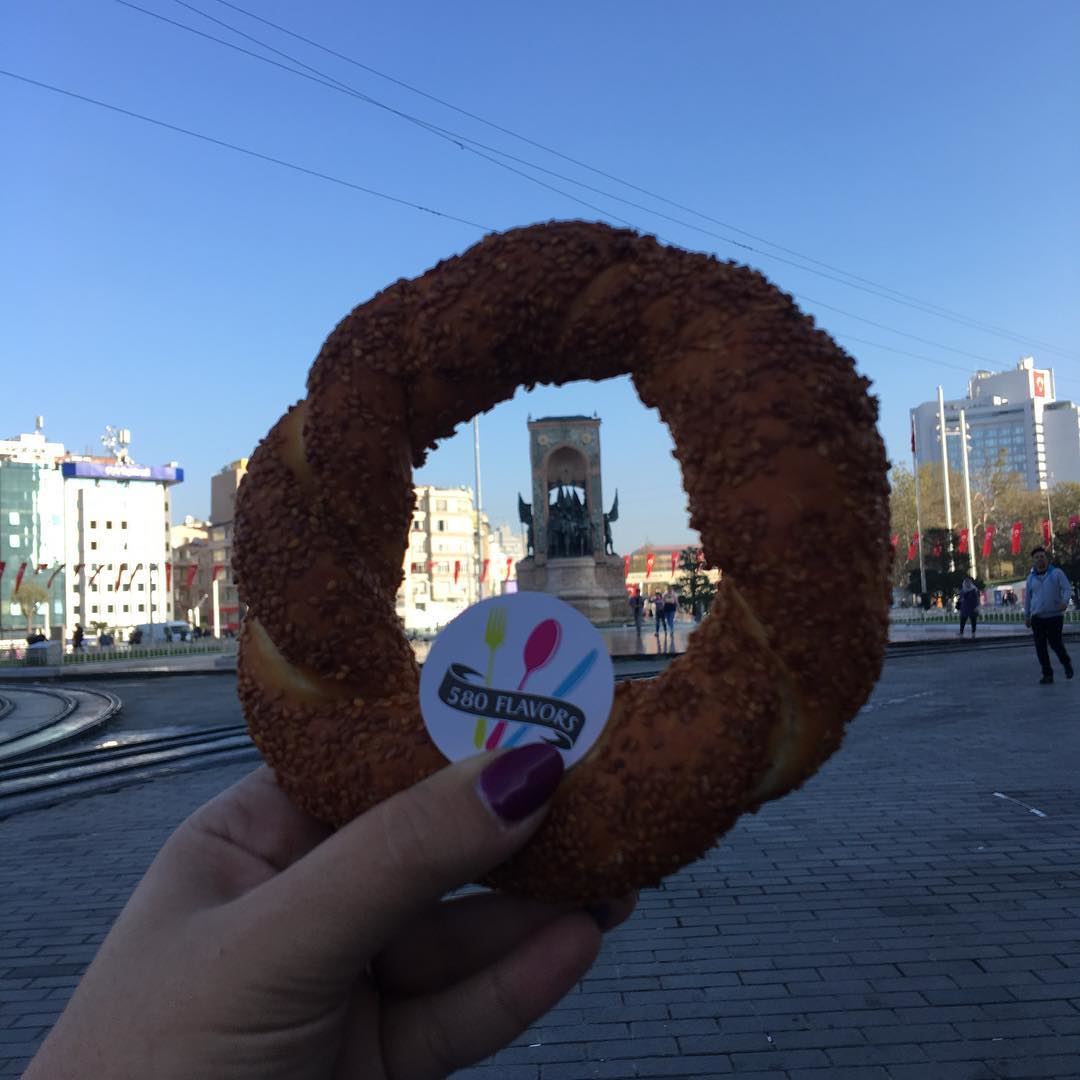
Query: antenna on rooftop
[(39, 423), (116, 441)]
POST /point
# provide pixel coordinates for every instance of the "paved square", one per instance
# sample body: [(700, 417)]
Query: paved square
[(913, 912)]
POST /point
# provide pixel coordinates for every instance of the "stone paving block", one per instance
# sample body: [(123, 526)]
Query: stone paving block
[(784, 1060), (919, 901)]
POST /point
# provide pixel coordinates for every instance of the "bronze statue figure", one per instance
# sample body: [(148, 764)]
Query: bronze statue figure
[(609, 517)]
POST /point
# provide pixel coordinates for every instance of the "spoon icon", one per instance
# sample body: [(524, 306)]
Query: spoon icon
[(540, 646)]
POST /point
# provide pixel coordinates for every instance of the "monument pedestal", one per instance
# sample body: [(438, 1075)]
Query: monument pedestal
[(593, 585)]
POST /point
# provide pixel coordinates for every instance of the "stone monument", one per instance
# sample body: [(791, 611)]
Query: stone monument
[(570, 552)]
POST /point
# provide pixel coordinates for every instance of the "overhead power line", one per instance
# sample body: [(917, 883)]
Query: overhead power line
[(896, 296), (322, 78), (225, 144)]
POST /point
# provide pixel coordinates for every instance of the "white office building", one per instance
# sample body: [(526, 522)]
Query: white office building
[(1013, 418), (93, 531)]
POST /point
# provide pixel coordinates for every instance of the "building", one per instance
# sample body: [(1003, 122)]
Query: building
[(1014, 420), (204, 589), (655, 567), (443, 573), (223, 487), (95, 531)]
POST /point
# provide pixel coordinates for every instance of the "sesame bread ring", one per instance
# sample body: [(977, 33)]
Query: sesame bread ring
[(777, 441)]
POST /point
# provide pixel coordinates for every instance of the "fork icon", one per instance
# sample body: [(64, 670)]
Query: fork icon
[(494, 636)]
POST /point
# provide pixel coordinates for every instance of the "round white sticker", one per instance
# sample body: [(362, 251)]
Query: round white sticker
[(520, 668)]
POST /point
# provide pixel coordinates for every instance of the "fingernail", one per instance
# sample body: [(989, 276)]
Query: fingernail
[(521, 780)]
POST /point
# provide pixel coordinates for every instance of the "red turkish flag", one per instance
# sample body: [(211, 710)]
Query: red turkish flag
[(1074, 520), (19, 577), (1038, 378), (1046, 531), (1017, 533), (650, 559), (483, 576), (52, 577), (509, 566), (41, 566), (963, 545), (988, 539), (131, 580), (625, 566), (78, 568), (893, 541), (192, 571), (168, 577), (219, 569), (674, 561), (119, 575), (2, 565), (913, 547), (97, 570), (936, 551), (457, 569)]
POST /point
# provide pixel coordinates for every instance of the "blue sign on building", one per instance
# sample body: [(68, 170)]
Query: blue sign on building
[(93, 470)]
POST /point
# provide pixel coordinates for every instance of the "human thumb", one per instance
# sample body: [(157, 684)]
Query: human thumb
[(358, 887)]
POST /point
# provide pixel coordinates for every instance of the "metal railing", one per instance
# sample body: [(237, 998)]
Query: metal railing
[(939, 616), (55, 655)]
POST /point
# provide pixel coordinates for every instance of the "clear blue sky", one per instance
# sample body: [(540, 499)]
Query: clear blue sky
[(181, 290)]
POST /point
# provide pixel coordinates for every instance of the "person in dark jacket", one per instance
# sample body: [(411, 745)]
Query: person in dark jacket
[(968, 605)]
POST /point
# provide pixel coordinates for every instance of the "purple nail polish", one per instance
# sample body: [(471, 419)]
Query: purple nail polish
[(521, 780)]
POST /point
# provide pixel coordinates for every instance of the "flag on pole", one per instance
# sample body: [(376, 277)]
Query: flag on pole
[(509, 566), (78, 569), (131, 580), (962, 547), (893, 541), (1016, 536), (168, 577), (988, 540), (913, 547), (674, 562), (2, 565), (41, 566), (217, 570), (120, 574), (52, 576), (625, 567), (192, 571), (1046, 531), (484, 572), (650, 559), (97, 570), (457, 569)]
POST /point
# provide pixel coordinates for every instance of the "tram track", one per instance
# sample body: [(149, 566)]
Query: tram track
[(43, 779)]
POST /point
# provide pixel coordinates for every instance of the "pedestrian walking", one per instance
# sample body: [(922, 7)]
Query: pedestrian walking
[(671, 604), (658, 611), (968, 604), (637, 606), (1045, 602)]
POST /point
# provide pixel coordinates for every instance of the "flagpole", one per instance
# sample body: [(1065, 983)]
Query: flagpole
[(967, 494), (918, 512), (479, 507), (945, 469)]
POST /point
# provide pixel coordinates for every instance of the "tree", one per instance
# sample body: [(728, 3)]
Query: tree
[(946, 566), (28, 595), (696, 591)]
